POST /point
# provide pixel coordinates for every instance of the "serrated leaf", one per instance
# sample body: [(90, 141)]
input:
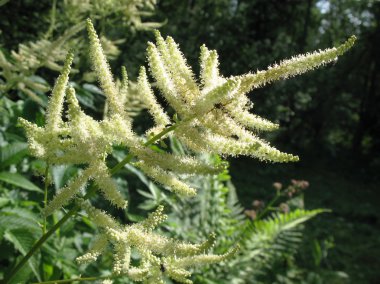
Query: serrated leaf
[(23, 241), (12, 153), (19, 181), (21, 212), (11, 221), (275, 236)]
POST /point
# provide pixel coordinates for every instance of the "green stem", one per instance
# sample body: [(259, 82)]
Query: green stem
[(249, 223), (44, 222), (269, 206), (40, 242), (45, 196), (129, 157), (76, 208)]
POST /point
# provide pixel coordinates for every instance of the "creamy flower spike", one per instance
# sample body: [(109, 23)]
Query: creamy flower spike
[(160, 256), (211, 116), (215, 113)]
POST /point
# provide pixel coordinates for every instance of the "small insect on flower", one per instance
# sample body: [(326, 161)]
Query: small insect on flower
[(219, 106), (162, 267)]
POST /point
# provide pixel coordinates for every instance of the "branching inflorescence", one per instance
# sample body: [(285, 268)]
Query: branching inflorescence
[(211, 116)]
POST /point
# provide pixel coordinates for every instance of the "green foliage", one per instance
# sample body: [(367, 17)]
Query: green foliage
[(19, 181), (273, 240), (21, 69), (271, 243), (12, 154), (23, 240)]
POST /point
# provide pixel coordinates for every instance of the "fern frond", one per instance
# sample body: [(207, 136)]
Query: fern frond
[(271, 239), (268, 231)]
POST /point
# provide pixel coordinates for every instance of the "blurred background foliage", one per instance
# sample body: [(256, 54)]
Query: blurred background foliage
[(329, 117)]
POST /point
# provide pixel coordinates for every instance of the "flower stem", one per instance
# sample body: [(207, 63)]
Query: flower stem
[(76, 208), (248, 224), (155, 138), (45, 195), (269, 206), (40, 242), (44, 222)]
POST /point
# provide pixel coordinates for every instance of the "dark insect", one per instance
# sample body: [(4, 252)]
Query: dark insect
[(218, 105), (162, 268)]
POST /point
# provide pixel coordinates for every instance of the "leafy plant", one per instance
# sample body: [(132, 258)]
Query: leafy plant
[(21, 69), (208, 117)]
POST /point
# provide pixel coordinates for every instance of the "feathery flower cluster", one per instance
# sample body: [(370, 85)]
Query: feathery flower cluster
[(212, 116), (159, 256), (215, 115)]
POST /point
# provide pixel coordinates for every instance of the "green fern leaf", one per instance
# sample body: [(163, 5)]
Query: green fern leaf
[(269, 240)]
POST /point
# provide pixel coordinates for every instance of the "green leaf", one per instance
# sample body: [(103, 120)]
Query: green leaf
[(19, 181), (21, 212), (12, 153), (3, 201), (93, 89), (62, 174), (48, 270), (10, 221), (138, 173), (23, 241), (3, 2), (85, 97), (163, 144), (135, 217), (274, 237), (176, 146), (21, 276)]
